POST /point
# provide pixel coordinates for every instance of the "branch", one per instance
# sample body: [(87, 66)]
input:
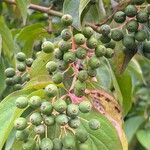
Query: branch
[(39, 8)]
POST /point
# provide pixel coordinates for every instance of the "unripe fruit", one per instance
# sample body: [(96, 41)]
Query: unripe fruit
[(21, 102), (116, 34), (72, 110), (57, 144), (21, 56), (49, 120), (80, 86), (105, 39), (36, 118), (120, 17), (51, 66), (29, 62), (21, 66), (40, 129), (79, 93), (51, 90), (81, 135), (66, 34), (68, 142), (35, 101), (64, 46), (91, 72), (94, 124), (26, 78), (94, 62), (128, 42), (21, 135), (29, 145), (62, 119), (111, 44), (132, 26), (9, 72), (87, 32), (60, 106), (58, 54), (66, 20), (140, 36), (137, 2), (109, 53), (20, 123), (84, 146), (83, 75), (74, 123), (57, 77), (130, 11), (69, 57), (46, 144), (46, 108), (146, 47), (47, 47), (142, 16), (79, 39), (92, 42), (81, 53), (62, 65), (17, 79), (100, 51), (104, 29), (85, 106), (17, 87), (9, 81)]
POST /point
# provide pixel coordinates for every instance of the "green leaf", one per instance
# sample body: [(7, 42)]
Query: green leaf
[(7, 41), (28, 35), (143, 137), (22, 6), (0, 45), (131, 126)]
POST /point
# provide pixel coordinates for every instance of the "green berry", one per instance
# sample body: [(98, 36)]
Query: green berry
[(17, 87), (94, 124), (128, 42), (57, 144), (105, 39), (9, 72), (46, 108), (74, 123), (140, 36), (92, 43), (137, 2), (79, 93), (58, 54), (40, 129), (9, 81), (83, 75), (64, 46), (36, 118), (21, 102), (35, 101), (80, 86), (26, 78), (94, 62), (20, 123), (68, 142), (91, 72), (51, 66), (51, 90), (60, 106), (57, 78), (17, 79), (131, 11), (116, 34), (29, 62), (46, 144), (66, 34), (142, 16), (81, 53), (120, 17), (146, 47), (84, 146), (85, 106), (62, 65), (29, 145), (109, 53), (21, 135), (100, 51), (21, 66), (72, 110), (66, 20), (111, 44), (81, 135), (49, 120), (79, 39), (132, 26), (87, 32), (69, 57), (47, 47), (104, 30), (21, 56), (62, 119)]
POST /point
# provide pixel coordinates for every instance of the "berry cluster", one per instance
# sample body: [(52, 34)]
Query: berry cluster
[(16, 78)]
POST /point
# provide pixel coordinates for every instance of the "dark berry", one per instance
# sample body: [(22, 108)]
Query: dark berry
[(142, 16), (131, 11), (120, 17), (29, 62), (116, 34), (111, 44), (105, 39)]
